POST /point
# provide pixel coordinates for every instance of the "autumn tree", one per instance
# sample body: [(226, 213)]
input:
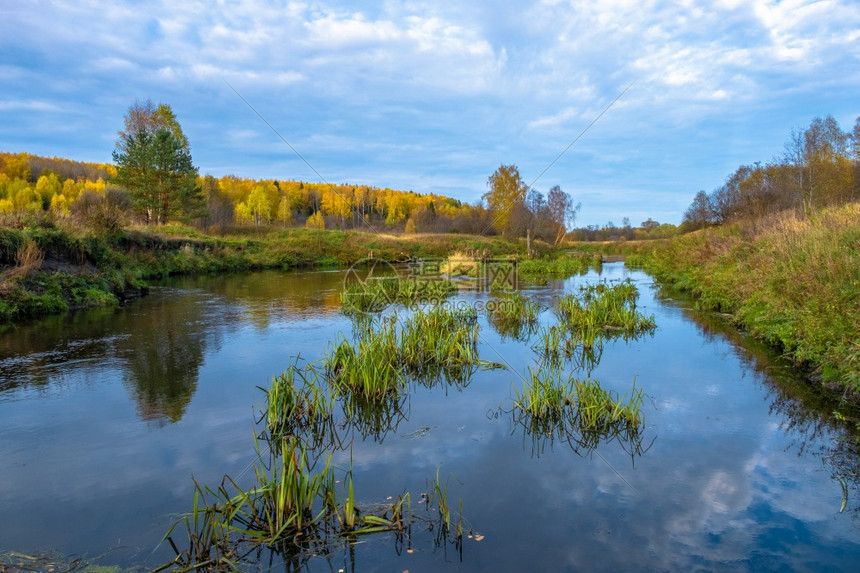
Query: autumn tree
[(855, 161), (700, 212), (562, 211), (154, 164), (505, 195)]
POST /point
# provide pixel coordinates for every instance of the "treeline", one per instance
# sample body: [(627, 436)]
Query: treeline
[(648, 229), (231, 200), (819, 167), (33, 184), (55, 188)]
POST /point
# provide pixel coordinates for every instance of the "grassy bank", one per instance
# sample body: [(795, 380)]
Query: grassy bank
[(790, 280), (51, 270)]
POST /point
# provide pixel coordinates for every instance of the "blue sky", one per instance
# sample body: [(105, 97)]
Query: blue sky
[(434, 96)]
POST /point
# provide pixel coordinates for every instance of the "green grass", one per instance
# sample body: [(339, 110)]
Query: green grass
[(579, 412), (300, 403), (369, 368), (513, 315), (539, 271), (602, 307), (558, 345), (377, 293), (293, 504), (432, 343)]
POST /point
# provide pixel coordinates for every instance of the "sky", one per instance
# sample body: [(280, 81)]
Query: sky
[(630, 106)]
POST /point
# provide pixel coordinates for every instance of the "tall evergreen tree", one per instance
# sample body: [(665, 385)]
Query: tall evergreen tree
[(154, 164)]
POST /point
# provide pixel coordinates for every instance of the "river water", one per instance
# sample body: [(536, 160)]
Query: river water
[(107, 416)]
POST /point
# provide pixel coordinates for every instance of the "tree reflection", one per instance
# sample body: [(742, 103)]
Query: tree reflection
[(164, 354)]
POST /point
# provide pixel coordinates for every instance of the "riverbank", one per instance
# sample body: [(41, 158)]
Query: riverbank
[(790, 280), (52, 270)]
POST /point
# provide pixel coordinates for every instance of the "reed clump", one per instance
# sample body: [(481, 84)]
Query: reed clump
[(582, 349), (513, 314), (300, 403), (549, 399), (293, 504), (431, 342), (538, 271), (376, 294), (369, 368), (603, 307)]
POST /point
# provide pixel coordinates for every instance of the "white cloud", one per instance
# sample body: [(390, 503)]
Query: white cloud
[(29, 105), (501, 81)]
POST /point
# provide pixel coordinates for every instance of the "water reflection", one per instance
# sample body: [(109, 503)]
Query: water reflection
[(738, 479), (543, 434), (157, 345), (806, 411)]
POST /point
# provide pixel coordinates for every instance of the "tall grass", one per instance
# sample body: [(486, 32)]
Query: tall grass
[(539, 271), (288, 501), (300, 403), (439, 337), (293, 504), (513, 315), (368, 369), (603, 307), (432, 342), (376, 294), (578, 411), (558, 345)]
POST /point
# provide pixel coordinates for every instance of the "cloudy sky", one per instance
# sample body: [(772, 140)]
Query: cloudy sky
[(434, 96)]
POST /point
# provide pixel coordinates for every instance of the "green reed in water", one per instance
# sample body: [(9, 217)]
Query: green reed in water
[(538, 271), (434, 341), (291, 507), (513, 314), (603, 307), (548, 397), (376, 294), (368, 368), (299, 402)]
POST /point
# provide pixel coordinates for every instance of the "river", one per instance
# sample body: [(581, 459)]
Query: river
[(107, 416)]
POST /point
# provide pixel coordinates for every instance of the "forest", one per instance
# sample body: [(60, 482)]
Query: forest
[(819, 167), (153, 180)]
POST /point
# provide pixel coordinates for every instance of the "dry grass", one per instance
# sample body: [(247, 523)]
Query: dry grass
[(28, 258)]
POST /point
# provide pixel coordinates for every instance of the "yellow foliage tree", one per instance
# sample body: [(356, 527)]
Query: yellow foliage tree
[(258, 203), (59, 205), (315, 221)]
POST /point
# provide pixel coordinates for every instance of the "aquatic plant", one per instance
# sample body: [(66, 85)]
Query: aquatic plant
[(581, 348), (603, 307), (377, 293), (370, 367), (437, 495), (545, 394), (551, 403), (439, 337), (538, 271), (513, 314), (436, 341), (299, 402), (290, 506)]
